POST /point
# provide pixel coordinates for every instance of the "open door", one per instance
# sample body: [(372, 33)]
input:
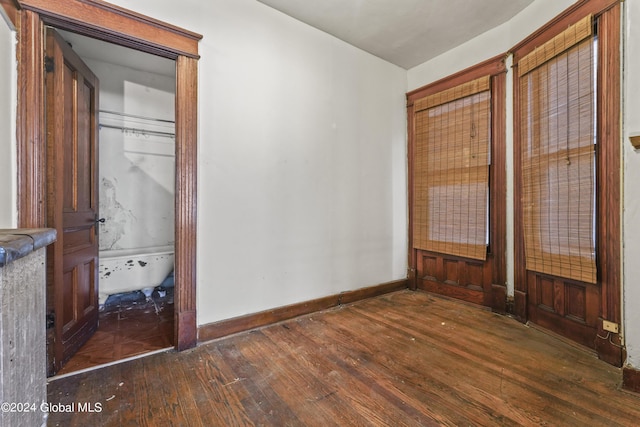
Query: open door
[(72, 199)]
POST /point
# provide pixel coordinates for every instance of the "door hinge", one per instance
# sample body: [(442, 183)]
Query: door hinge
[(48, 64), (51, 320)]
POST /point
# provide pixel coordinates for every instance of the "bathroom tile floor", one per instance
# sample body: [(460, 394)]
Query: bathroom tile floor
[(128, 326)]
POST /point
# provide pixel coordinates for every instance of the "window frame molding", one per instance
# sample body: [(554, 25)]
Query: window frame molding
[(496, 68), (609, 347)]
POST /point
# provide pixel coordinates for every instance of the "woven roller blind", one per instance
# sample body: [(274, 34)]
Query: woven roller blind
[(558, 160), (452, 137)]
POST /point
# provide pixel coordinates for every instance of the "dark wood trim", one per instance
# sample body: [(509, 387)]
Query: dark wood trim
[(609, 345), (498, 190), (560, 23), (631, 379), (224, 328), (491, 67), (31, 131), (31, 136), (11, 9), (520, 299), (104, 21), (411, 252), (186, 202)]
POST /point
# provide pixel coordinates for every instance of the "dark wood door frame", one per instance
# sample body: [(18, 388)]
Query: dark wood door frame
[(101, 20)]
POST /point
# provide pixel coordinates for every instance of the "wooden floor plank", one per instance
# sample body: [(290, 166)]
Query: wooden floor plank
[(403, 359), (492, 364), (398, 366)]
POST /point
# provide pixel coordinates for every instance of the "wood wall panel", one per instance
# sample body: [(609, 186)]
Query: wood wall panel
[(564, 306), (631, 379)]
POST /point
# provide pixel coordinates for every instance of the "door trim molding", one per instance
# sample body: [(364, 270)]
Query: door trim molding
[(98, 19)]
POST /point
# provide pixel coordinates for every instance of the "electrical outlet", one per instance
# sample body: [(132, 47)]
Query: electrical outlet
[(610, 326)]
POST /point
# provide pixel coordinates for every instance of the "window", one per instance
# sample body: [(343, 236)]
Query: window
[(452, 157), (557, 89)]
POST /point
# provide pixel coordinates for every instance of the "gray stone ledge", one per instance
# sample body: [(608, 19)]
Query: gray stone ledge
[(16, 243)]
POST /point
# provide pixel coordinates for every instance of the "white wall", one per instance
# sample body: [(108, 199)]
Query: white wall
[(631, 190), (136, 181), (302, 159), (8, 97)]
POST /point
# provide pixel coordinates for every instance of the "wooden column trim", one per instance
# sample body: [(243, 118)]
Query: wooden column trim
[(498, 190), (186, 200), (31, 137), (104, 21), (412, 255), (520, 274), (609, 345)]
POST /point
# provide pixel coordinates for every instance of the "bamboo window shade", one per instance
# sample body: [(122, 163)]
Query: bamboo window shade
[(557, 88), (452, 156)]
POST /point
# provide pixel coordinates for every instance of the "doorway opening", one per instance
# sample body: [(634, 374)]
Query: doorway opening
[(123, 27), (136, 199)]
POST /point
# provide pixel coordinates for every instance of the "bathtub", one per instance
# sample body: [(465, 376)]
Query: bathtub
[(126, 270)]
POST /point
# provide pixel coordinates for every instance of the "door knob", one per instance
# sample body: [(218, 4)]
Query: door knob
[(101, 220)]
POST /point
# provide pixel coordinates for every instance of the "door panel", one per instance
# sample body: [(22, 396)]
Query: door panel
[(465, 279), (71, 111), (566, 307)]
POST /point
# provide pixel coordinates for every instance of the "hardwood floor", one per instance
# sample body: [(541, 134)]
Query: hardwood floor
[(402, 359), (128, 326)]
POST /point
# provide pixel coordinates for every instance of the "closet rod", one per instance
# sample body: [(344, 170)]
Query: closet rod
[(139, 131), (136, 116)]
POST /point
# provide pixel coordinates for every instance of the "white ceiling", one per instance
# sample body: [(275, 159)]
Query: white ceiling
[(403, 32)]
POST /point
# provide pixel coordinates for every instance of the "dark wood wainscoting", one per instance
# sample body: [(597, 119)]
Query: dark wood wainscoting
[(564, 306), (631, 379), (460, 278)]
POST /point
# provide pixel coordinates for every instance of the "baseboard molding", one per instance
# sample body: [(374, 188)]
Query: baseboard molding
[(631, 379), (499, 299), (224, 328)]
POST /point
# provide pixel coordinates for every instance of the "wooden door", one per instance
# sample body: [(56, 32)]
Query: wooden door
[(72, 265)]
